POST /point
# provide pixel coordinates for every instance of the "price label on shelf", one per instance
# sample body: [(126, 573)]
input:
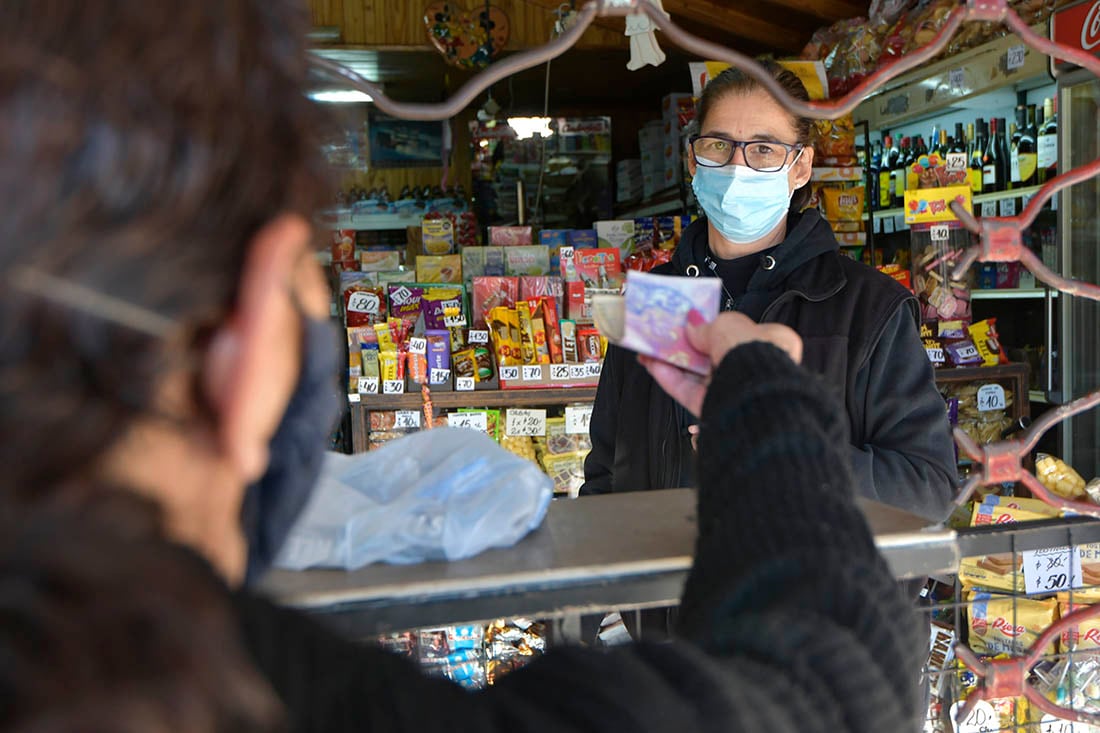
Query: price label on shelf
[(439, 376), (406, 420), (968, 352), (878, 225), (989, 208), (940, 232), (1008, 207), (418, 345), (982, 719), (1014, 59), (991, 397), (525, 422), (464, 384), (935, 355), (888, 225), (577, 371), (471, 420), (368, 385), (956, 162), (457, 319), (393, 386), (355, 398), (559, 372), (509, 373), (364, 302), (577, 419), (956, 79), (593, 370), (477, 336), (1051, 724), (532, 373), (1051, 569)]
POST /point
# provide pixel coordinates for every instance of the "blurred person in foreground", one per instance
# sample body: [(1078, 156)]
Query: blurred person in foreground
[(164, 333)]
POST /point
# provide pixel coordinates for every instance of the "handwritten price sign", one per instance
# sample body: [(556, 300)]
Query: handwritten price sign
[(418, 345), (407, 420), (559, 372), (940, 233), (393, 386), (471, 420), (439, 376), (532, 373), (525, 422), (368, 385), (991, 397), (1051, 569), (464, 384), (479, 337), (509, 373), (363, 302), (577, 419)]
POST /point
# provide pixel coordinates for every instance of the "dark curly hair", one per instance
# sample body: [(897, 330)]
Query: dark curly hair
[(141, 147)]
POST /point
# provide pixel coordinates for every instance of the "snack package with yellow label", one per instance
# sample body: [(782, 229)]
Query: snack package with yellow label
[(1001, 571), (1008, 625), (1001, 713), (505, 333), (1059, 477), (843, 204)]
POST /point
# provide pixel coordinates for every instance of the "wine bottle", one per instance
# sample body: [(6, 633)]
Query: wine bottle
[(885, 174), (899, 174), (1048, 142), (1014, 148), (1027, 159), (876, 165), (992, 166), (976, 164), (912, 178), (1002, 150)]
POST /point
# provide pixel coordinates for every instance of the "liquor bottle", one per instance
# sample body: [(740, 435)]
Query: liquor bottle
[(1002, 151), (934, 140), (960, 140), (912, 178), (992, 165), (876, 165), (885, 173), (1026, 154), (1048, 142), (1014, 149), (898, 174), (976, 164)]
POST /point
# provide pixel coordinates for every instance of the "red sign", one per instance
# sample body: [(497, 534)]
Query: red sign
[(1077, 26)]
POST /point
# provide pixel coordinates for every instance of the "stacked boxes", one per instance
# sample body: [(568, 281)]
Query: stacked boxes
[(628, 180), (677, 110)]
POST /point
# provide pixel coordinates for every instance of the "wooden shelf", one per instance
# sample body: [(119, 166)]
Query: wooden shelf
[(483, 398), (978, 199)]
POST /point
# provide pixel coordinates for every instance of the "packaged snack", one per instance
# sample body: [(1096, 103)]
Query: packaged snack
[(369, 357), (843, 204), (490, 293), (385, 338), (599, 268), (437, 304), (417, 367), (402, 643), (439, 269), (589, 346), (526, 333), (1085, 635), (505, 332), (583, 239), (380, 261), (343, 247), (576, 305), (996, 714), (527, 260), (520, 445), (567, 472), (1056, 476), (569, 341), (538, 332), (963, 353), (405, 302), (616, 234), (1000, 572), (510, 236), (549, 313), (387, 365), (952, 330), (363, 302), (482, 262), (464, 364), (437, 236), (484, 361), (984, 336), (433, 644), (1008, 625), (439, 351)]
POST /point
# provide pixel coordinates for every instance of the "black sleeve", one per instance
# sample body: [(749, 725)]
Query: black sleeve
[(600, 464), (788, 624), (908, 459)]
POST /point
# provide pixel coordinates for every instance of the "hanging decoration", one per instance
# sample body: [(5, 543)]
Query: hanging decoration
[(643, 40), (468, 39)]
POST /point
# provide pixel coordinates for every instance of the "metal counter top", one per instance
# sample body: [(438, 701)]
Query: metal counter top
[(590, 554)]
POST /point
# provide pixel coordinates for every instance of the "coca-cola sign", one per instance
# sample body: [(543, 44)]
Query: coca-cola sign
[(1077, 26)]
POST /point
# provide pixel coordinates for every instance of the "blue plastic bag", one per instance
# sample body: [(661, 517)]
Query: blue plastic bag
[(447, 493)]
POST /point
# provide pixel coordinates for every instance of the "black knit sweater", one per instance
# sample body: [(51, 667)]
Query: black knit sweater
[(790, 620)]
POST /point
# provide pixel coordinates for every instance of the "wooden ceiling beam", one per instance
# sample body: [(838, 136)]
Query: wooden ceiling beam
[(739, 24), (826, 11)]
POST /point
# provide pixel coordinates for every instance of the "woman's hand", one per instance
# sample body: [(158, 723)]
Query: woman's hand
[(716, 339)]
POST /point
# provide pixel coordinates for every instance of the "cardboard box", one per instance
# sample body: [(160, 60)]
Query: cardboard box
[(510, 236), (439, 268), (583, 239), (617, 234), (437, 236), (527, 260), (482, 262)]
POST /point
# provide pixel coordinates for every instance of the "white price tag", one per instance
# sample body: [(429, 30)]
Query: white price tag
[(991, 397), (577, 371), (439, 376), (593, 370), (478, 336), (393, 386), (899, 223), (354, 398), (532, 373), (368, 385), (509, 373), (364, 302), (406, 420), (577, 419), (940, 232), (956, 79), (418, 345), (956, 162), (464, 384), (471, 420), (1051, 569), (888, 225), (565, 254), (525, 422), (454, 321), (1008, 207), (982, 719), (989, 208), (559, 372), (878, 225), (968, 352), (935, 355), (1015, 57), (1051, 724)]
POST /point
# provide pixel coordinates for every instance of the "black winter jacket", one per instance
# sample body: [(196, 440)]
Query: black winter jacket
[(859, 330), (787, 627)]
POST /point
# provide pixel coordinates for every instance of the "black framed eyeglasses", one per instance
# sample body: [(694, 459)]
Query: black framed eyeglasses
[(760, 155)]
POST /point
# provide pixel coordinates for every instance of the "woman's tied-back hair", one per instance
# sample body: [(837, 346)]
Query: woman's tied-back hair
[(733, 81), (142, 145)]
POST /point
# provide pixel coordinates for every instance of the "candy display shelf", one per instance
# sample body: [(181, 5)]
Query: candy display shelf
[(978, 199)]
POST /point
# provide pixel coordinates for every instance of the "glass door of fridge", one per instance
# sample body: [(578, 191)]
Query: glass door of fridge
[(1079, 139)]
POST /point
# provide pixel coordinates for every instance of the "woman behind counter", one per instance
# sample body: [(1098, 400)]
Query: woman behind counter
[(751, 166)]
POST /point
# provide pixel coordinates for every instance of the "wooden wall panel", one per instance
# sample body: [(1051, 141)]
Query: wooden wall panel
[(400, 23)]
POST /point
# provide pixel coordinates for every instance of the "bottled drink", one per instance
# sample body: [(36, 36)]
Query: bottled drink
[(900, 174), (976, 163), (912, 178), (1002, 149), (1026, 154), (885, 174), (934, 140), (876, 165), (1048, 142), (960, 140), (992, 164), (1014, 150)]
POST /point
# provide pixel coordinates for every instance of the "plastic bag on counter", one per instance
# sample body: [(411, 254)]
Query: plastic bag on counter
[(440, 494)]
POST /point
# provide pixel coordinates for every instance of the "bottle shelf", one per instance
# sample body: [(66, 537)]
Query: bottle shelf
[(978, 199)]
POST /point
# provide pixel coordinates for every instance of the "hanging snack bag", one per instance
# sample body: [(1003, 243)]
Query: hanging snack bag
[(1008, 625), (1058, 477)]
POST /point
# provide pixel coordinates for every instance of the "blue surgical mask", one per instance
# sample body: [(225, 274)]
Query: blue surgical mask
[(743, 204), (272, 504)]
